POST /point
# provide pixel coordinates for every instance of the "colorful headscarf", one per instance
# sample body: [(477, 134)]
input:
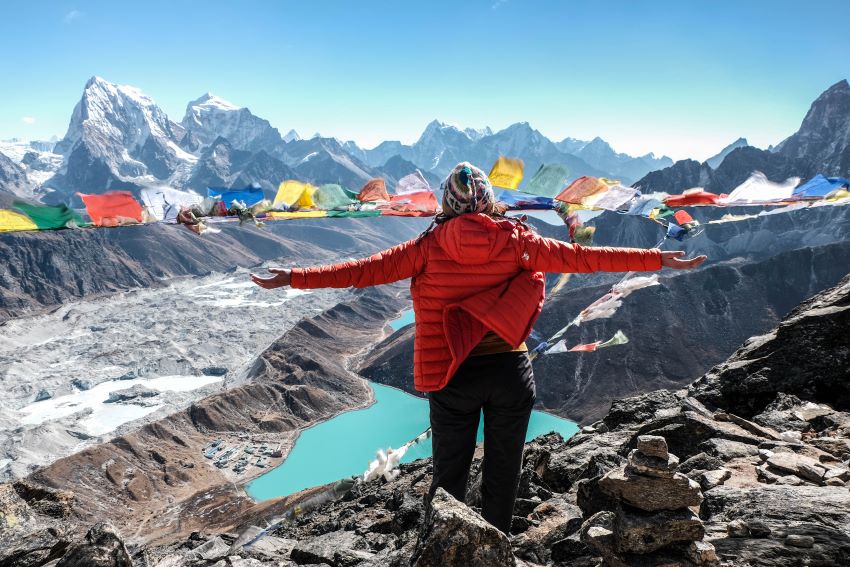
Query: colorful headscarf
[(467, 189)]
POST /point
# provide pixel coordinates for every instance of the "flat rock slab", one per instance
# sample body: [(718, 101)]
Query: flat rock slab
[(649, 493), (800, 465), (641, 463), (774, 512)]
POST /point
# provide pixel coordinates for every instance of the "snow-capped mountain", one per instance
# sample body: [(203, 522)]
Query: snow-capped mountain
[(210, 117), (442, 145), (117, 137), (599, 154), (291, 136), (715, 160)]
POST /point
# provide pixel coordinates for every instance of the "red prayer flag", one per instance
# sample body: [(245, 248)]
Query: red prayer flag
[(112, 208)]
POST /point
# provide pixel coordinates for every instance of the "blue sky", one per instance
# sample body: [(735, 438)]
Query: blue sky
[(673, 77)]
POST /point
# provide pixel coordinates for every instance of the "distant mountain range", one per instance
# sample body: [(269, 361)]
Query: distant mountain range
[(119, 138), (821, 145)]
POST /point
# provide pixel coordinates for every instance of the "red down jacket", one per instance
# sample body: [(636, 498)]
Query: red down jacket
[(472, 274)]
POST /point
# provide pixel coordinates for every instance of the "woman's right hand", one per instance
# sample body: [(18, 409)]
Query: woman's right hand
[(282, 277), (672, 260)]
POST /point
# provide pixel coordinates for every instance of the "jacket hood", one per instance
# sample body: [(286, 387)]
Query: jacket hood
[(474, 238)]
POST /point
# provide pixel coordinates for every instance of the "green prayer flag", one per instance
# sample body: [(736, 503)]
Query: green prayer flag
[(548, 181), (48, 217)]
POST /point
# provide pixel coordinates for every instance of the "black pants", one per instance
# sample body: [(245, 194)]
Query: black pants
[(502, 385)]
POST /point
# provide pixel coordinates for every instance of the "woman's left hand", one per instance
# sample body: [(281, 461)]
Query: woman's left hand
[(281, 278), (671, 260)]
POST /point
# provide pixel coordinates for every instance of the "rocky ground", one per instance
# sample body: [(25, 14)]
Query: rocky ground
[(746, 467)]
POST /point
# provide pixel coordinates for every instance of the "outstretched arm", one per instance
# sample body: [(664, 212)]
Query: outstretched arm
[(550, 255), (400, 262)]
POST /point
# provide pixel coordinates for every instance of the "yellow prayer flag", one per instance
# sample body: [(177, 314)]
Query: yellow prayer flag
[(506, 173), (292, 192), (11, 221), (305, 201)]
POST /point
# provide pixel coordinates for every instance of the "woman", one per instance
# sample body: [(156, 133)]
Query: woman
[(477, 285)]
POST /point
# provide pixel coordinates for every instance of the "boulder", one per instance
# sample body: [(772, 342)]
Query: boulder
[(454, 535), (640, 532), (102, 548), (773, 512), (652, 494)]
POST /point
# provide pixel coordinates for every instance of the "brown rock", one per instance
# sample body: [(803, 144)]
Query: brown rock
[(652, 446), (702, 553), (836, 446), (640, 463), (710, 479), (649, 493), (811, 471)]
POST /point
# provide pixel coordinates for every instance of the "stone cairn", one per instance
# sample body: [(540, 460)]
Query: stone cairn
[(646, 516)]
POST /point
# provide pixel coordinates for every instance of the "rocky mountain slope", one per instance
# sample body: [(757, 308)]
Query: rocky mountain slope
[(14, 182), (665, 478), (155, 483), (821, 145), (759, 268)]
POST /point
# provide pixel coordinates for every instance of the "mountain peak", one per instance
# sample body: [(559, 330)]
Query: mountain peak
[(96, 80), (841, 85), (291, 136), (212, 102), (715, 160)]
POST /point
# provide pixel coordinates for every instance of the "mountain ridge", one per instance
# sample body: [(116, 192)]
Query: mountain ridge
[(118, 138)]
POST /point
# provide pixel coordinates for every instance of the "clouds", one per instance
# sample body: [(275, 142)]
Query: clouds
[(28, 119), (72, 16)]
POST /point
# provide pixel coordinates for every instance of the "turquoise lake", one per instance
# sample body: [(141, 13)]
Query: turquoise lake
[(343, 446), (407, 318)]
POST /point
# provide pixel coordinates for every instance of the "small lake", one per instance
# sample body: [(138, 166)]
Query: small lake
[(406, 318), (343, 446)]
